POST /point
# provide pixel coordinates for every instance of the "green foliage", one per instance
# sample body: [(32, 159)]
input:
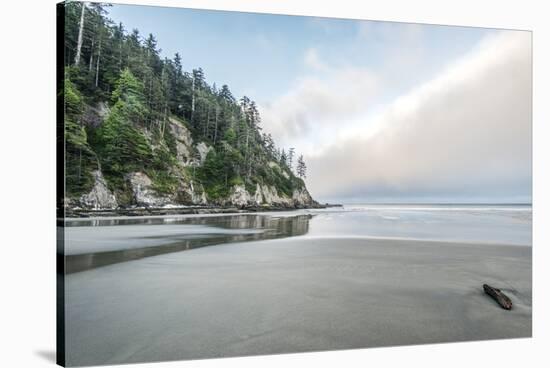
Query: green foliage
[(145, 93), (237, 180), (128, 97), (122, 147), (230, 136), (80, 160), (128, 88), (73, 99), (164, 182), (301, 167), (250, 186), (215, 175), (171, 143)]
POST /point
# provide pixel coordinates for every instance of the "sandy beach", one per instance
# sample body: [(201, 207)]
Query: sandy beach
[(241, 183), (296, 294)]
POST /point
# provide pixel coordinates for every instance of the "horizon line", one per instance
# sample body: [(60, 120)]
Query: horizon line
[(442, 203)]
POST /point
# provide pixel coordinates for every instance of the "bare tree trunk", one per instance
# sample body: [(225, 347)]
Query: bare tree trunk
[(80, 32), (207, 122), (120, 55), (97, 64), (91, 56), (165, 117), (149, 99), (163, 125), (193, 99), (216, 126), (79, 163), (79, 155), (246, 155)]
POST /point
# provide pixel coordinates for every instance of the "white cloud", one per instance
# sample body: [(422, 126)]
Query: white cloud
[(468, 131), (308, 112), (313, 61)]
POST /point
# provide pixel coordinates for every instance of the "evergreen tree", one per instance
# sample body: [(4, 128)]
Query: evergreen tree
[(301, 167), (226, 95), (269, 144), (122, 145), (147, 97), (283, 158), (290, 157)]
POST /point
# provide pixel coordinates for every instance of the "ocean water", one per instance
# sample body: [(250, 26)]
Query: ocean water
[(491, 224), (92, 243), (140, 290)]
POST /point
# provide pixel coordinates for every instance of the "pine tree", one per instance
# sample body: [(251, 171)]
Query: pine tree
[(283, 158), (290, 157), (122, 145), (146, 95), (301, 167), (226, 95), (269, 144)]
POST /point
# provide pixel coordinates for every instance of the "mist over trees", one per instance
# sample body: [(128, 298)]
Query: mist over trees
[(123, 69)]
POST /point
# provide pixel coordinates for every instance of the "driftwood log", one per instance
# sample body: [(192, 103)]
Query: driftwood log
[(498, 296)]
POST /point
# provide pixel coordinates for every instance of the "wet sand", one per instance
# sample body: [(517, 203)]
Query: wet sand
[(294, 295)]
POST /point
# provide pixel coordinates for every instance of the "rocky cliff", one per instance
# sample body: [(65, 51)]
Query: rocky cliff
[(142, 133), (190, 156)]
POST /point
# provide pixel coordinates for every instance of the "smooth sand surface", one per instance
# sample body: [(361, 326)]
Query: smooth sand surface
[(92, 239), (294, 295)]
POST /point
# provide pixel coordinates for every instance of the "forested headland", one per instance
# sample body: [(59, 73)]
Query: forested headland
[(141, 131)]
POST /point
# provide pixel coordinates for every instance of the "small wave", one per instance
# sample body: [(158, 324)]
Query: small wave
[(429, 208), (390, 217)]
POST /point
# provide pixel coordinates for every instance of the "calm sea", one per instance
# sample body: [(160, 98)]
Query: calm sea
[(495, 224)]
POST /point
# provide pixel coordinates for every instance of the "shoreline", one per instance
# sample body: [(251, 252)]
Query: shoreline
[(72, 213)]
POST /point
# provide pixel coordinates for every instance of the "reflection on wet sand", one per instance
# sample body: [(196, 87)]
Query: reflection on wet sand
[(271, 228)]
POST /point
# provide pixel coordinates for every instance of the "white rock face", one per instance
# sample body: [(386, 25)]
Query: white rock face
[(100, 197), (144, 195), (95, 115), (267, 195), (184, 142), (258, 196), (103, 109), (301, 197), (271, 196), (195, 197), (203, 198), (203, 150), (239, 196)]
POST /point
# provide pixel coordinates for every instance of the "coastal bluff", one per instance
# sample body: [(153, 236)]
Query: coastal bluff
[(140, 190)]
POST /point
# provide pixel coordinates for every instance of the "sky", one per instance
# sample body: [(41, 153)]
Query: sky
[(381, 111)]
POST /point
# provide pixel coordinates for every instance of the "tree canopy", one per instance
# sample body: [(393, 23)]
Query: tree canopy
[(106, 64)]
